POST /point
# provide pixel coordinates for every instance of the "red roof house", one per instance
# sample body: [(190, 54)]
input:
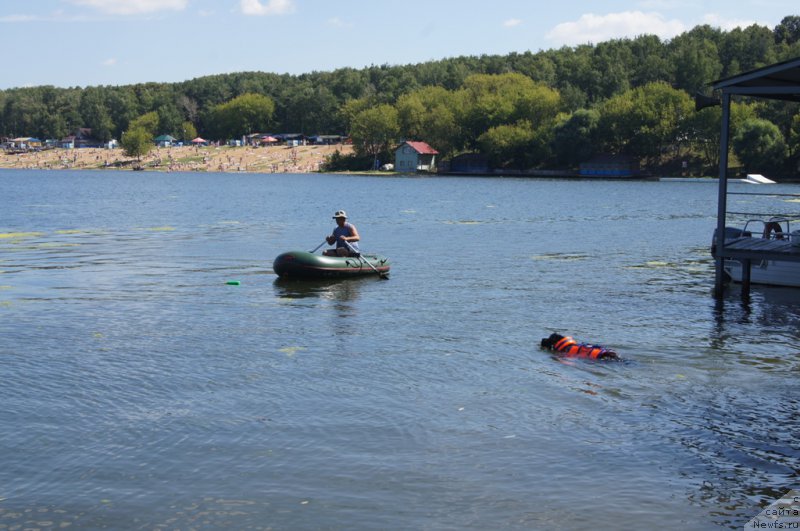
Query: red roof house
[(413, 156)]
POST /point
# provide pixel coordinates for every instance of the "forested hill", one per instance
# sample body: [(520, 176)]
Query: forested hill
[(424, 98)]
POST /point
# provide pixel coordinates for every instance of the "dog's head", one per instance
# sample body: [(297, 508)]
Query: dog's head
[(609, 355), (549, 342)]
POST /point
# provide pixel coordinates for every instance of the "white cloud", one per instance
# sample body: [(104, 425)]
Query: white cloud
[(272, 7), (716, 21), (133, 7), (512, 22), (110, 62), (592, 28)]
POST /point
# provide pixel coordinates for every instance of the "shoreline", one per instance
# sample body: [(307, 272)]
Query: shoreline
[(227, 159), (268, 159)]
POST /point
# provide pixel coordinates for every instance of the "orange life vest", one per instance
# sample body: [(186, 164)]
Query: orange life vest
[(573, 349)]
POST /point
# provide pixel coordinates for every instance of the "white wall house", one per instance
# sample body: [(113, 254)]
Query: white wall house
[(415, 156)]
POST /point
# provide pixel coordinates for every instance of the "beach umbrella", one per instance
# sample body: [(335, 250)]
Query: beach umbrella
[(199, 140)]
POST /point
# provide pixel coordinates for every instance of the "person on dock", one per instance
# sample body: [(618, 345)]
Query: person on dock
[(345, 236)]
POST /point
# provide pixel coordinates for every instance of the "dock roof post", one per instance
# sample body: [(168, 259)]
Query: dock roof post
[(722, 199)]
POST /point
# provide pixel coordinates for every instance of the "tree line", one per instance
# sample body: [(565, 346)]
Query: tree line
[(552, 108)]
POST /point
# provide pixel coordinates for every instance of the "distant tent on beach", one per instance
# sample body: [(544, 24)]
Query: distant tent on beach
[(197, 141), (268, 139), (164, 140)]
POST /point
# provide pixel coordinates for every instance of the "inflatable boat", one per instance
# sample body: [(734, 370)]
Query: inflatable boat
[(303, 264)]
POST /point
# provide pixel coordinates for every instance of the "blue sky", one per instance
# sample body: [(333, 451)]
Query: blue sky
[(117, 42)]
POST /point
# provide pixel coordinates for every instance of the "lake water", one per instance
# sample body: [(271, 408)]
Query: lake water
[(141, 391)]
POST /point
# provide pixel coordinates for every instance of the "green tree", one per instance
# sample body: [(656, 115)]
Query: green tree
[(489, 101), (248, 113), (611, 61), (703, 128), (508, 145), (123, 108), (538, 67), (170, 119), (788, 31), (644, 121), (95, 113), (794, 136), (309, 109), (575, 137), (695, 59), (347, 83), (648, 62), (574, 69), (137, 142), (24, 111), (374, 130), (148, 122), (746, 49), (760, 146), (188, 107), (430, 114), (188, 132), (352, 108)]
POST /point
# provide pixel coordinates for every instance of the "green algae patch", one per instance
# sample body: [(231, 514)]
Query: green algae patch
[(19, 235)]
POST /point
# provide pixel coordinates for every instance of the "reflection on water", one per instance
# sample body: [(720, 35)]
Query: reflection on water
[(767, 307), (339, 290)]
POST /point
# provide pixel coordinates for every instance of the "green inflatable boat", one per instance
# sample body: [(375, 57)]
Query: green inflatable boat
[(303, 264)]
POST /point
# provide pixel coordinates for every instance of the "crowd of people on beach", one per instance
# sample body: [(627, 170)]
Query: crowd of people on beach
[(266, 159)]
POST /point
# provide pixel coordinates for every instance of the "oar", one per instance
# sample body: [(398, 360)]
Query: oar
[(383, 276), (318, 246)]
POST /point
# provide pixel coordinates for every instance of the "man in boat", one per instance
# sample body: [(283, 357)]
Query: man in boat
[(344, 232)]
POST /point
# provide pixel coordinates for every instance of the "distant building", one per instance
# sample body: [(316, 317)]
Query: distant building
[(477, 163), (26, 142), (610, 166), (291, 139), (326, 139), (82, 138), (414, 156)]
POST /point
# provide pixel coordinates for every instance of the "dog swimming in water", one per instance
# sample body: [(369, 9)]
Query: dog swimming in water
[(572, 349)]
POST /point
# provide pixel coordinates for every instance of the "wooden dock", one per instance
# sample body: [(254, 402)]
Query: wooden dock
[(760, 249), (748, 250)]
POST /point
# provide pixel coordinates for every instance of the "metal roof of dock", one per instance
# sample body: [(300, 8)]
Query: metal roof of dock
[(780, 81)]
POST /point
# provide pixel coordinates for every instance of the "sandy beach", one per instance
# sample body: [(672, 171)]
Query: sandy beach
[(271, 159)]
